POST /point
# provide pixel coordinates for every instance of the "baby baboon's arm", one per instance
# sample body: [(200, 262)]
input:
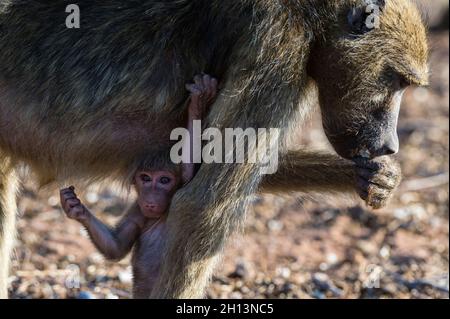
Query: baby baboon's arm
[(203, 93), (114, 243), (299, 171)]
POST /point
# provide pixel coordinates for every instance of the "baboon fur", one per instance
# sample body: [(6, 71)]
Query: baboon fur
[(86, 103)]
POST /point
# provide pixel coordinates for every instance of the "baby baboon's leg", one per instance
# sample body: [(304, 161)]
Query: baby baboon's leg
[(8, 208)]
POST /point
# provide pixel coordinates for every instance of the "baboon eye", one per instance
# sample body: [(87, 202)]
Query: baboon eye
[(165, 180), (395, 79), (145, 178), (403, 82)]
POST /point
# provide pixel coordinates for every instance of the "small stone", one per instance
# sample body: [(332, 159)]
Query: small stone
[(323, 282), (96, 258), (284, 272), (324, 267), (126, 277), (287, 288), (385, 252), (53, 201), (235, 295), (332, 259), (275, 225), (240, 272), (367, 247), (92, 197), (416, 211)]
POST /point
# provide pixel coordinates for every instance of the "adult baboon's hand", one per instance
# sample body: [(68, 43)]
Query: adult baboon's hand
[(376, 180)]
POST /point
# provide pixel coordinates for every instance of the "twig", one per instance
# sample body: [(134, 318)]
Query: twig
[(425, 183)]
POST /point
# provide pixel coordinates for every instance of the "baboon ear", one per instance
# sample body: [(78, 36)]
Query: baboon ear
[(365, 16)]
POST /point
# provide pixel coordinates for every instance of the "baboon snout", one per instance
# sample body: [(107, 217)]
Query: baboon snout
[(369, 147), (391, 146), (151, 206), (378, 147)]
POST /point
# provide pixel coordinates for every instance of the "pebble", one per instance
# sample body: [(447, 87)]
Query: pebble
[(126, 277), (240, 272), (275, 225), (417, 211), (92, 197)]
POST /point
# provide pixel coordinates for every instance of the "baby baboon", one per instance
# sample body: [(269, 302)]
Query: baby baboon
[(118, 81), (143, 226)]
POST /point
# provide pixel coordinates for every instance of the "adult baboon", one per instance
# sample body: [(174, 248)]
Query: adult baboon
[(114, 89)]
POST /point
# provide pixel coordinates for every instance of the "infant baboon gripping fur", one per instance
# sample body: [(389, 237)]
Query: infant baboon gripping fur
[(143, 228), (118, 81)]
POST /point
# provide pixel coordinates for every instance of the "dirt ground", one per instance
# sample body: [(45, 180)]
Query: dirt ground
[(302, 247)]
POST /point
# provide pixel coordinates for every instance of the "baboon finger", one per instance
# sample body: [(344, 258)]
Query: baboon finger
[(66, 191), (77, 211), (207, 81), (73, 202), (378, 200), (362, 194), (63, 190), (368, 164), (68, 197), (198, 79), (367, 174), (193, 88), (362, 187), (383, 181)]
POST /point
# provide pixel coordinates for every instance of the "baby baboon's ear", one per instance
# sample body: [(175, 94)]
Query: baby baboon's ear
[(365, 16)]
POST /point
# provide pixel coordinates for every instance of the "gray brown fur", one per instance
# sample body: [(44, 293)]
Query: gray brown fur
[(120, 79)]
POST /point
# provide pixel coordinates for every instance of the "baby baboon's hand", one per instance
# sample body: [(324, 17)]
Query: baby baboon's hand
[(203, 94), (376, 180), (72, 206)]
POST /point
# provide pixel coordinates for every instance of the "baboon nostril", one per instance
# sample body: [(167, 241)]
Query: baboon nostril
[(391, 146)]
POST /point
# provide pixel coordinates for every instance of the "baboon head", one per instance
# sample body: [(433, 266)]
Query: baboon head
[(371, 52)]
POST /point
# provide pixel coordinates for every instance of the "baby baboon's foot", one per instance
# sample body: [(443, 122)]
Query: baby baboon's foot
[(203, 93), (377, 180)]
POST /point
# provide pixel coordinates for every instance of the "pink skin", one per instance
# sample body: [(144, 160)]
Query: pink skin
[(155, 191), (143, 226)]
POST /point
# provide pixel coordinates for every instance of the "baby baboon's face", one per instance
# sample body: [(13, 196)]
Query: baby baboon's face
[(362, 73), (155, 191)]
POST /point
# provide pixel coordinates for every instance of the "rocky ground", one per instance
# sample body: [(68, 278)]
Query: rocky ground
[(302, 247)]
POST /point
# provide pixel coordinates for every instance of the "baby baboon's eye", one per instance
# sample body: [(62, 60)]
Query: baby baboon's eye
[(165, 180), (146, 178)]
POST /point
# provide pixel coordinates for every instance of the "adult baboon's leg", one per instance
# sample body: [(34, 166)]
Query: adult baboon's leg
[(8, 208), (201, 219)]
